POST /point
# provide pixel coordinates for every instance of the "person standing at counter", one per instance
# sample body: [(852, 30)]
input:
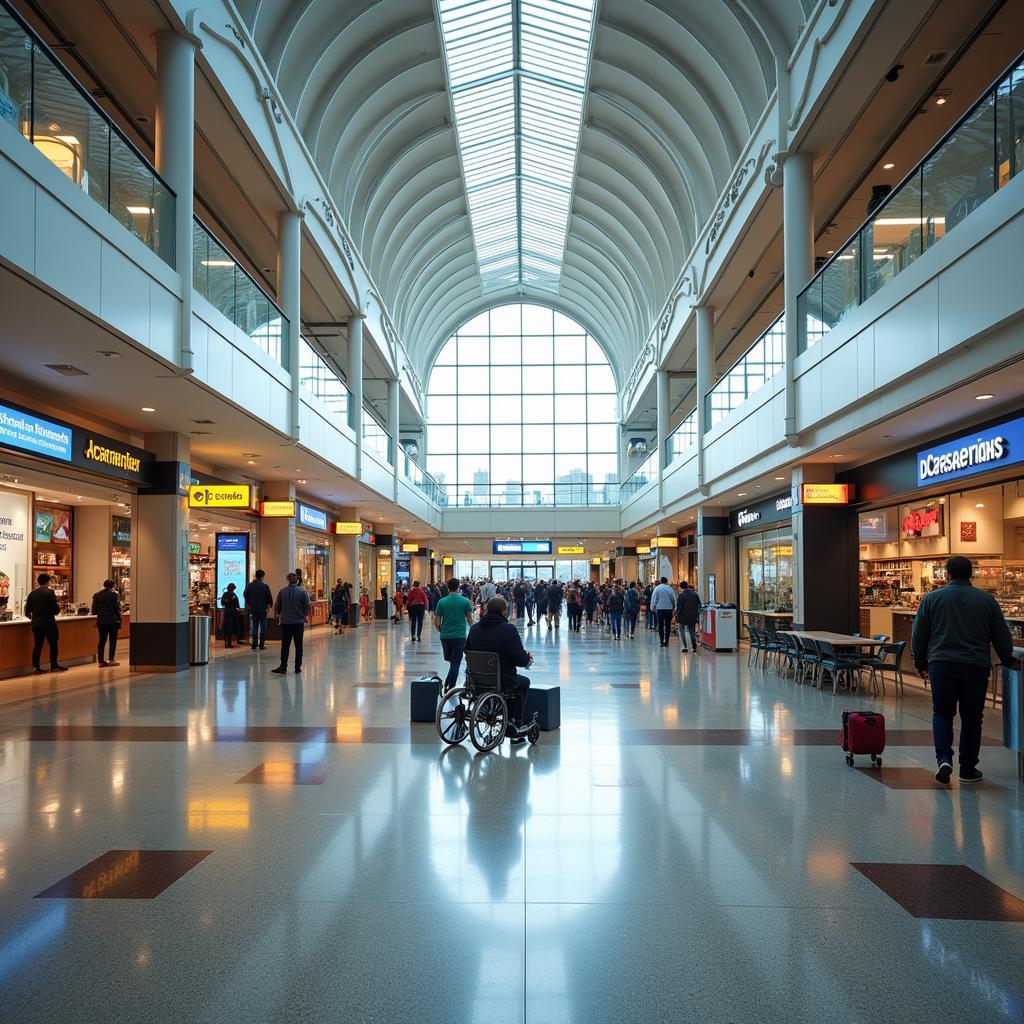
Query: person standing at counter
[(258, 599), (954, 627), (42, 607), (106, 606), (291, 610)]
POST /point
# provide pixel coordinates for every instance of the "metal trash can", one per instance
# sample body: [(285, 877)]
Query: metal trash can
[(1013, 713), (199, 639)]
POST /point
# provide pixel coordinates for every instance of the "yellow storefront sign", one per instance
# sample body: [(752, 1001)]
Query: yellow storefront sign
[(571, 549), (410, 549), (447, 560), (220, 496), (643, 549), (277, 509), (349, 529), (665, 542)]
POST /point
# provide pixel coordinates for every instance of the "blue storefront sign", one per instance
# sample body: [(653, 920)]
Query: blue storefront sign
[(312, 518), (30, 433), (521, 547), (980, 452)]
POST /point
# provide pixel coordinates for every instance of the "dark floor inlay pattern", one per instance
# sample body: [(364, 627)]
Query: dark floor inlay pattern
[(285, 773), (126, 875), (951, 892), (624, 686), (902, 778)]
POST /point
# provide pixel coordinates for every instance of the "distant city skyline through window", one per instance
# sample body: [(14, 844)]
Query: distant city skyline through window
[(522, 410)]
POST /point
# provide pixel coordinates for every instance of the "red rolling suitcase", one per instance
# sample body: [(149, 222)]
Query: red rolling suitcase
[(863, 733)]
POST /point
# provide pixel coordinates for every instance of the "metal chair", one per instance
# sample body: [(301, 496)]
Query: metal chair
[(888, 659), (836, 665)]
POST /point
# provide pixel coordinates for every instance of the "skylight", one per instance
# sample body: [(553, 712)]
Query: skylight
[(517, 72)]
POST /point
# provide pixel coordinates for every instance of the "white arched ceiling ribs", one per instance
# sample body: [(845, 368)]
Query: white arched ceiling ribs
[(673, 138), (404, 161), (595, 264), (398, 243), (408, 123), (594, 196), (580, 296), (638, 285), (669, 74), (429, 273), (766, 37)]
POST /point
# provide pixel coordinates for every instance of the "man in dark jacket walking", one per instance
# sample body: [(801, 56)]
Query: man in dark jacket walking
[(953, 630), (258, 599), (496, 635), (687, 614), (106, 606), (42, 607)]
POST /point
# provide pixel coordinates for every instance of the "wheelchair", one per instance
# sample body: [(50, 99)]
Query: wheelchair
[(479, 708)]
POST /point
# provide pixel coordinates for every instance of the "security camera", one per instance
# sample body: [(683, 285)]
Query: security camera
[(750, 273), (894, 73)]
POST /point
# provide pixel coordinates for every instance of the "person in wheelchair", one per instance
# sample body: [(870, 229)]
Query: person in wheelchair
[(494, 634)]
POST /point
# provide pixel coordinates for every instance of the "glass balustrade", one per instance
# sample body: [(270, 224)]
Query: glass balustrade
[(684, 437), (321, 380), (762, 361), (646, 473), (39, 97), (217, 276), (981, 153), (375, 438)]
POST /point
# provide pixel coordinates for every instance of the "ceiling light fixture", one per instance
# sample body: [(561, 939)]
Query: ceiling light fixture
[(888, 167), (148, 408), (983, 398), (217, 263), (980, 504)]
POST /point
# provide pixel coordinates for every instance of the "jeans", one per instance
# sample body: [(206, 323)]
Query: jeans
[(688, 627), (616, 618), (530, 605), (631, 618), (44, 634), (452, 648), (292, 633), (664, 617), (258, 628), (575, 616), (108, 637), (954, 683), (650, 618), (416, 612)]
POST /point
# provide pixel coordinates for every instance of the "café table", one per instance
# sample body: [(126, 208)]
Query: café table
[(837, 640)]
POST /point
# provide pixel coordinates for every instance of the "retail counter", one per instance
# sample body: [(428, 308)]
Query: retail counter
[(76, 646)]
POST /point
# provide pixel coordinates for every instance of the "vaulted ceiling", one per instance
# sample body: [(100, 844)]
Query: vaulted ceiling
[(675, 88)]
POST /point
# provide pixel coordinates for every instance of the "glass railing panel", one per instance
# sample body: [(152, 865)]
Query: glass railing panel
[(808, 311), (894, 236), (319, 379), (684, 437), (1010, 126), (41, 99), (958, 177), (213, 271), (840, 288), (762, 361), (376, 438)]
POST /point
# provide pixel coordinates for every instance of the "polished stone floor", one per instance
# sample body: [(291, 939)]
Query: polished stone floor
[(229, 845)]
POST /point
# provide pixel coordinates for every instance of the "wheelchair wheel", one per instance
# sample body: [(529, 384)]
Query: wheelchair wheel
[(452, 717), (534, 734), (489, 721)]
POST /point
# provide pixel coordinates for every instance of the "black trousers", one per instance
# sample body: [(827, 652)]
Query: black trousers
[(292, 634), (108, 637), (664, 616), (631, 618), (516, 699), (575, 615), (958, 687), (416, 612), (44, 635)]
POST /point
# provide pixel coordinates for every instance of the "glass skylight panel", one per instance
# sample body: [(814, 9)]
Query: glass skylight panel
[(518, 105)]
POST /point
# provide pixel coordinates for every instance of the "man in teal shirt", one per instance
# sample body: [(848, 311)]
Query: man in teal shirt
[(452, 617)]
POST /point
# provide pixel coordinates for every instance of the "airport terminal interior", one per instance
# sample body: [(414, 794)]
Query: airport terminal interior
[(361, 360)]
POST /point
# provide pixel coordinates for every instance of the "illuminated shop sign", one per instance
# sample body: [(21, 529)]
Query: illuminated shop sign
[(410, 549), (232, 561), (447, 560), (219, 496), (824, 494), (570, 549), (277, 509), (120, 457), (30, 433), (313, 518), (643, 549), (665, 542), (521, 547), (349, 529), (974, 453), (596, 560)]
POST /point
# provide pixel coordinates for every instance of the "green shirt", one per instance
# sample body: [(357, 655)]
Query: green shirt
[(452, 611)]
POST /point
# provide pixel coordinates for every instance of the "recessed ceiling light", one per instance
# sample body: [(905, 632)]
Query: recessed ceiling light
[(300, 481), (888, 167), (980, 504), (940, 101), (109, 354), (780, 478), (983, 398), (148, 408), (741, 494), (252, 462)]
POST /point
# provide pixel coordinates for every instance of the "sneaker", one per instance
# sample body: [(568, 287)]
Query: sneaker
[(298, 671), (113, 664), (515, 740), (969, 775), (280, 670), (943, 773)]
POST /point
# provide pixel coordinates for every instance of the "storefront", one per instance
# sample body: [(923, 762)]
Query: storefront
[(763, 534), (66, 497), (222, 538), (313, 549), (647, 560), (961, 496), (367, 563)]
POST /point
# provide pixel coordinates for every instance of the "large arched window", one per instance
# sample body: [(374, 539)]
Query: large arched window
[(522, 411)]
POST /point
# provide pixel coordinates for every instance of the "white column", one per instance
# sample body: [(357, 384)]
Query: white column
[(355, 383), (175, 159), (663, 399), (798, 259), (394, 426), (705, 380), (289, 298)]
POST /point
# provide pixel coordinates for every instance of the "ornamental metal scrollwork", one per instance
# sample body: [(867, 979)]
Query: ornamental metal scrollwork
[(731, 195), (644, 360)]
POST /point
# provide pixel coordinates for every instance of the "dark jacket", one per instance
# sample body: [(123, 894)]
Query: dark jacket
[(495, 634), (688, 607), (106, 606), (958, 622), (42, 607), (258, 597), (555, 596), (231, 622), (616, 602), (631, 600)]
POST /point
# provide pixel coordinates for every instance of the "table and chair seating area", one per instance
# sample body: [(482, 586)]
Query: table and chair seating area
[(843, 657)]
